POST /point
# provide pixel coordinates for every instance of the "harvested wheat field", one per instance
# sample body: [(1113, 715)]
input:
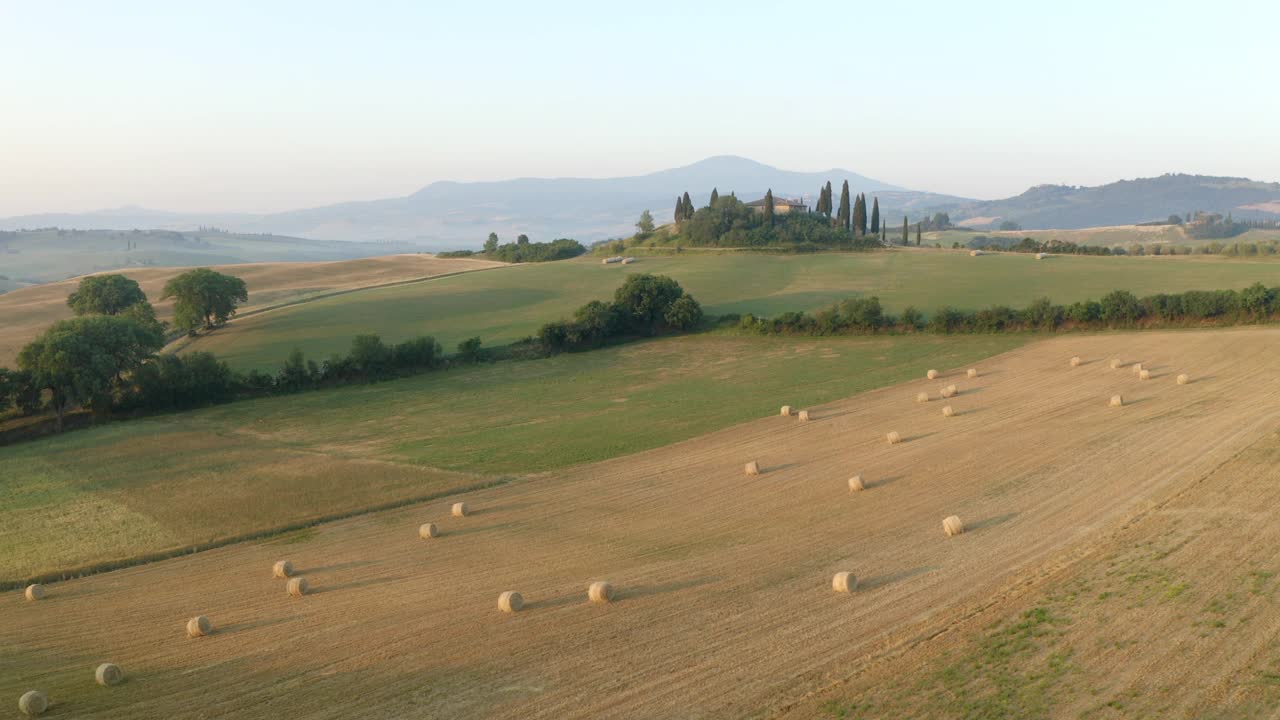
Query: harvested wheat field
[(723, 604)]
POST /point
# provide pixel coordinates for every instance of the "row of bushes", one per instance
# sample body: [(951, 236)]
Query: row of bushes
[(1118, 309), (135, 379), (522, 251)]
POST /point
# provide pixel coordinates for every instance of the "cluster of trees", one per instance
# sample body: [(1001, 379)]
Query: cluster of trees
[(644, 305), (91, 360), (522, 251), (1118, 309), (1031, 245), (1205, 226), (851, 217), (1235, 249), (728, 222)]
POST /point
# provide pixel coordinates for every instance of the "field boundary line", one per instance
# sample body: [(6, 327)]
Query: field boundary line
[(148, 558)]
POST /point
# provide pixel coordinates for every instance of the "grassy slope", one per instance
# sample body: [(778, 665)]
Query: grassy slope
[(1122, 235), (29, 311), (120, 491), (503, 305)]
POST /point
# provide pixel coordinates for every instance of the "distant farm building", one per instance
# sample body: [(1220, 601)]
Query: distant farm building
[(780, 206)]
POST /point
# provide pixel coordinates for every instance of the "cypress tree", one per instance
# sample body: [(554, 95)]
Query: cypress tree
[(715, 195), (829, 195), (858, 225), (906, 231), (917, 233), (875, 216), (768, 207), (688, 206), (679, 214), (843, 215)]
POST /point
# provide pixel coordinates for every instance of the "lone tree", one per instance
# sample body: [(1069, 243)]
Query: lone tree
[(917, 234), (844, 215), (715, 195), (204, 298), (768, 206), (906, 232), (875, 216), (82, 360), (645, 223), (105, 295), (491, 244)]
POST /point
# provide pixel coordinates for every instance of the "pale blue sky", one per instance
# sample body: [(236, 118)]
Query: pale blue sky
[(258, 106)]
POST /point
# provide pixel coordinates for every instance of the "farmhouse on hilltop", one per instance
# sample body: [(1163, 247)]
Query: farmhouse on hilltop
[(780, 206)]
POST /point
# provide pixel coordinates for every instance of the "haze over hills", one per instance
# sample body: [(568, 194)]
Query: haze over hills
[(1125, 202), (447, 215), (454, 214)]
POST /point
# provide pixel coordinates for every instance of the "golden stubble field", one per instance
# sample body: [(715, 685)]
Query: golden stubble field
[(724, 604)]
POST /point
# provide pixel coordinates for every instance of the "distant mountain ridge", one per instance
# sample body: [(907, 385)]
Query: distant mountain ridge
[(456, 214), (449, 214), (1125, 202)]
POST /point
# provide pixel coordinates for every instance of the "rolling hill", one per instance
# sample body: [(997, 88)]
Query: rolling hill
[(455, 214), (1125, 202)]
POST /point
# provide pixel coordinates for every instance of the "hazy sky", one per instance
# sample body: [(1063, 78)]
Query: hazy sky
[(258, 106)]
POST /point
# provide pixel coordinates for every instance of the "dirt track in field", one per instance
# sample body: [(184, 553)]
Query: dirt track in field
[(725, 607)]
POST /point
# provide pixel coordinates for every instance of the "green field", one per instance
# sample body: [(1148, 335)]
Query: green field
[(169, 482), (1121, 236), (506, 304)]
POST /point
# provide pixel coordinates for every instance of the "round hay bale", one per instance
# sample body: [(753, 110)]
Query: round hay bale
[(426, 531), (949, 391), (108, 674), (282, 569), (460, 509), (952, 526), (855, 484), (973, 372), (975, 253), (33, 702), (947, 411), (298, 586), (510, 601), (786, 411), (1137, 368), (1117, 401), (894, 438), (1144, 375), (922, 397), (199, 626), (752, 468), (932, 374), (804, 416), (1183, 379), (1040, 256), (1115, 363), (844, 582), (34, 591), (1075, 361), (600, 592)]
